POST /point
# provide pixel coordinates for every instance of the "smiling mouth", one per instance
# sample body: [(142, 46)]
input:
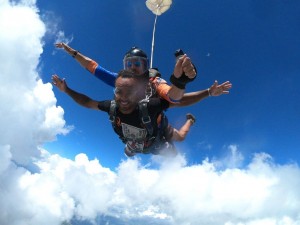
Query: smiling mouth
[(124, 103)]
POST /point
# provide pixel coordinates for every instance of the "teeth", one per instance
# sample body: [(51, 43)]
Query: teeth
[(124, 102)]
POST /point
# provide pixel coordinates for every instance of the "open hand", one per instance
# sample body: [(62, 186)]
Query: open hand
[(216, 90), (60, 45), (59, 83)]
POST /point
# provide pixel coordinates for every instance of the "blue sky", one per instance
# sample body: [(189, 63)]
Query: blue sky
[(63, 163), (253, 44)]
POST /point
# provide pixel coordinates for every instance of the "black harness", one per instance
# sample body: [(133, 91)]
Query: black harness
[(152, 143)]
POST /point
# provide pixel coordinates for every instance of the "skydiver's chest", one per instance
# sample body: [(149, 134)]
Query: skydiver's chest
[(132, 119), (130, 125)]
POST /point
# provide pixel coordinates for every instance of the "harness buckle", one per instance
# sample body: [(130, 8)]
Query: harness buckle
[(146, 119)]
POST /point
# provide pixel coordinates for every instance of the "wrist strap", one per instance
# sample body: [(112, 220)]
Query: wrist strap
[(177, 82), (208, 89), (75, 53)]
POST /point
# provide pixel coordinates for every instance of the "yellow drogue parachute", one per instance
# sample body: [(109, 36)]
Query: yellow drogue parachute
[(158, 7)]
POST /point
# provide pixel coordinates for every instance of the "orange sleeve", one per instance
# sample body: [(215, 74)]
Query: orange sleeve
[(162, 88), (91, 67)]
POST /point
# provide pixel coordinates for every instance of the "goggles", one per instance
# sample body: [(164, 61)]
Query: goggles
[(136, 61), (128, 93), (136, 64)]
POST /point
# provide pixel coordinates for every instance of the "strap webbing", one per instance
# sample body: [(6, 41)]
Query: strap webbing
[(145, 118), (112, 113)]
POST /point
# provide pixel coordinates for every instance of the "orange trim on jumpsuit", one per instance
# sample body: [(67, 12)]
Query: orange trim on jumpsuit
[(162, 88), (91, 67)]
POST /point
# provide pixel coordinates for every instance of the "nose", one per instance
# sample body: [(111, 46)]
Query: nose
[(132, 66), (134, 69), (125, 96)]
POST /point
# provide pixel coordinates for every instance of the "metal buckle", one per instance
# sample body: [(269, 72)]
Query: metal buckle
[(146, 119)]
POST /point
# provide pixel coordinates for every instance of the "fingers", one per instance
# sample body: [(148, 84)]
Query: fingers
[(178, 67), (226, 85), (59, 45), (56, 80), (188, 67), (223, 89), (214, 85), (54, 76), (184, 65), (217, 90)]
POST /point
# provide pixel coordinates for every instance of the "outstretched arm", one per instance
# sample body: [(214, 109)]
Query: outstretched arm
[(81, 99), (195, 97), (92, 66), (83, 60)]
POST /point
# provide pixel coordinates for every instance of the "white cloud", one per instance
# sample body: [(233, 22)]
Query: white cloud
[(232, 159), (262, 193), (27, 105), (83, 190), (5, 157)]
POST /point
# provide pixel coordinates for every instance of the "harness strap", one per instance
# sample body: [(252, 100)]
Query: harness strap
[(152, 143), (112, 118), (149, 92), (112, 113), (145, 118)]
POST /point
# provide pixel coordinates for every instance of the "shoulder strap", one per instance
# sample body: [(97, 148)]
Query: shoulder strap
[(112, 118), (145, 118), (112, 113), (149, 90)]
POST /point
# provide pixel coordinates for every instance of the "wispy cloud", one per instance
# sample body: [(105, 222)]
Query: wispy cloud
[(61, 37), (233, 158)]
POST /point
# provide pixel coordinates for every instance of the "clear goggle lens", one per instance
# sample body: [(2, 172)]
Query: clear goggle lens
[(121, 92), (136, 61), (136, 64)]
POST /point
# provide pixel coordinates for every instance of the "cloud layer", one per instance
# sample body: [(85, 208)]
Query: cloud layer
[(82, 191), (28, 113)]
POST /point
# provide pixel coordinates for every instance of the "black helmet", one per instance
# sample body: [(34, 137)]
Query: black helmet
[(135, 51), (137, 57)]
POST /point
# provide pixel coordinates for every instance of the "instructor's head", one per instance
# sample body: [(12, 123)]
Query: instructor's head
[(136, 61), (129, 90)]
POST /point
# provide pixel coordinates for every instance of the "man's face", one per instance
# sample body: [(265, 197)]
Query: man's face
[(128, 92), (137, 65)]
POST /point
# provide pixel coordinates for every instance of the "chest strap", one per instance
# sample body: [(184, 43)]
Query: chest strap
[(145, 118)]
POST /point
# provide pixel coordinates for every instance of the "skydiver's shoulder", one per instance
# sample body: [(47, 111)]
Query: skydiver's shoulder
[(157, 80), (158, 102), (104, 105)]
